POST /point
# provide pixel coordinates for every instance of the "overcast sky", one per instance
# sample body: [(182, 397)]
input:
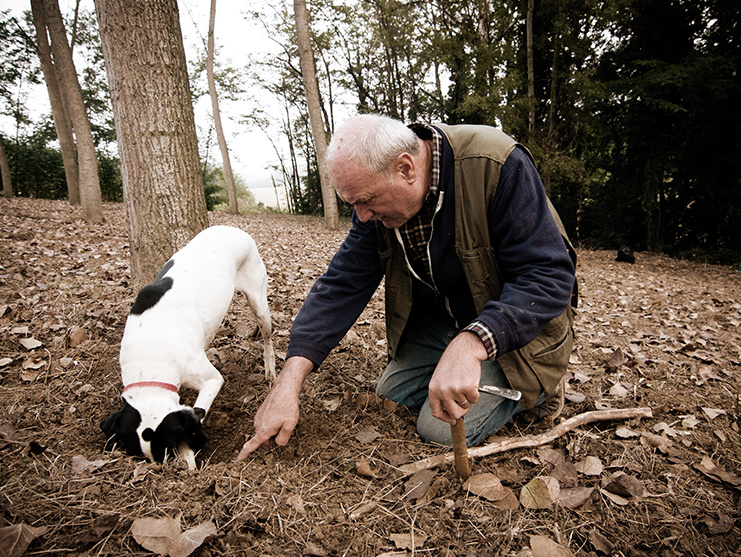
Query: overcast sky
[(236, 38)]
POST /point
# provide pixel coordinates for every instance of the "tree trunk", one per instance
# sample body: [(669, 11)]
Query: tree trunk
[(231, 188), (5, 172), (308, 71), (58, 108), (155, 127), (530, 67), (92, 206)]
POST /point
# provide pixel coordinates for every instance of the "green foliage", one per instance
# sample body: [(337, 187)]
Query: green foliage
[(37, 170), (635, 129)]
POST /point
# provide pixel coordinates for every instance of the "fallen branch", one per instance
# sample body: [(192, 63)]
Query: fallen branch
[(511, 443)]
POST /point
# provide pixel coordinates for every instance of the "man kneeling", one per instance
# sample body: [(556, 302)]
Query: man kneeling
[(479, 279)]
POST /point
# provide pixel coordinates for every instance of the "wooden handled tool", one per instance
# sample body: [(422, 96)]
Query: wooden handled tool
[(460, 450)]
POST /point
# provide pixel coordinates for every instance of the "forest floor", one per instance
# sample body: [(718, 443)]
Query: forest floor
[(661, 334)]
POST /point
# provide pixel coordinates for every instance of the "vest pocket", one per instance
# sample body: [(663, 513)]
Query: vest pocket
[(549, 353), (482, 273)]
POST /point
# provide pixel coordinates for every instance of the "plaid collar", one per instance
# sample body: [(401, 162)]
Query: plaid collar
[(415, 234)]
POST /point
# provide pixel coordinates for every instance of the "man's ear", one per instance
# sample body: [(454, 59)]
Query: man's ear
[(404, 164)]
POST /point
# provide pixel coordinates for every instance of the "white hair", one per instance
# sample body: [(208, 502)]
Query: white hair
[(373, 140)]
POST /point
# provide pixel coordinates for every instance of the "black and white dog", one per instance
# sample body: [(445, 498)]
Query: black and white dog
[(171, 323)]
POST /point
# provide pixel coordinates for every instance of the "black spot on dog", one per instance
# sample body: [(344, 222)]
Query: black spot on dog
[(176, 428), (120, 429), (150, 295)]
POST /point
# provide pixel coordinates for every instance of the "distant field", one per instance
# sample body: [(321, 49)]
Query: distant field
[(267, 197)]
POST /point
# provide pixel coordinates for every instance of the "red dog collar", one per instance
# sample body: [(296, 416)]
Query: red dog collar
[(166, 386)]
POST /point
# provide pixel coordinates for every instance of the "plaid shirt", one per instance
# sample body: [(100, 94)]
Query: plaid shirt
[(415, 234)]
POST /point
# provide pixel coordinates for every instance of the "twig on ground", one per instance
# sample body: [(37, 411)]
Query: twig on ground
[(508, 444)]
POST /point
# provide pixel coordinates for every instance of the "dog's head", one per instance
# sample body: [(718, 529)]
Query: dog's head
[(154, 436)]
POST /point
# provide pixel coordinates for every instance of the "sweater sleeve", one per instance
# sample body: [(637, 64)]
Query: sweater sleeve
[(339, 296), (537, 271)]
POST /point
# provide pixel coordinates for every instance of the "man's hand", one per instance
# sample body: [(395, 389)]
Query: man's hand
[(278, 415), (454, 386)]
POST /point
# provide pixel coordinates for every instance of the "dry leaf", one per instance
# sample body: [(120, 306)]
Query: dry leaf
[(656, 441), (619, 391), (707, 467), (365, 400), (77, 336), (297, 503), (575, 497), (590, 466), (368, 435), (600, 543), (626, 486), (539, 493), (363, 468), (15, 539), (542, 546), (617, 359), (80, 464), (721, 526), (690, 422), (663, 427), (416, 486), (156, 534), (486, 485), (509, 502), (190, 540), (626, 433), (408, 541), (713, 413), (314, 550), (617, 499), (332, 405), (5, 361), (566, 474), (30, 343), (397, 459), (551, 456)]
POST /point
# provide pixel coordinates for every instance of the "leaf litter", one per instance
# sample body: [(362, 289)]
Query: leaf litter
[(661, 333)]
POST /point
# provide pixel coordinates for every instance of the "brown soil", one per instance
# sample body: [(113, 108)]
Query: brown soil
[(662, 334)]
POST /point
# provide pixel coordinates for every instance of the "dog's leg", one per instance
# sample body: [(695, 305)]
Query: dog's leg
[(209, 385), (253, 283)]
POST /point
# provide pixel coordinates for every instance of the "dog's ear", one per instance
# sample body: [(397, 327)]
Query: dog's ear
[(200, 413), (120, 429)]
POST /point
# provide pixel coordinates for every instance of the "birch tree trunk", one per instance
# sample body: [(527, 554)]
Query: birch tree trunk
[(153, 114), (5, 172), (59, 112), (308, 71), (530, 67), (231, 188), (90, 198)]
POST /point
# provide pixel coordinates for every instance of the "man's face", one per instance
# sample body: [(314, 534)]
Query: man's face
[(391, 198)]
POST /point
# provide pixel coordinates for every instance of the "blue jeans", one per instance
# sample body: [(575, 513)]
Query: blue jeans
[(408, 375)]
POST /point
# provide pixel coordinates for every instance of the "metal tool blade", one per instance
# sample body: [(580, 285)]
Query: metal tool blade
[(499, 391)]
